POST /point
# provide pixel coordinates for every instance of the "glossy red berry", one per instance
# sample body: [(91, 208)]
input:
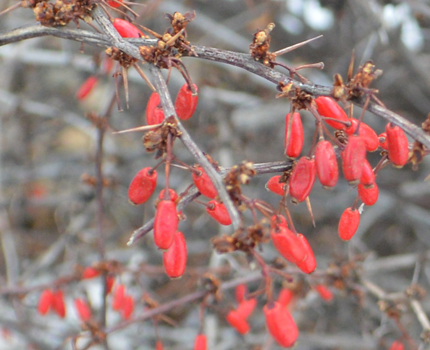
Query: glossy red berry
[(238, 322), (142, 186), (397, 345), (200, 343), (165, 224), (273, 185), (302, 179), (186, 102), (285, 296), (86, 87), (175, 258), (118, 297), (329, 108), (58, 304), (128, 307), (154, 112), (324, 292), (398, 146), (246, 307), (46, 301), (115, 4), (126, 29), (348, 223), (204, 184), (368, 176), (366, 132), (368, 195), (280, 324), (326, 164), (309, 263), (219, 212), (288, 244), (89, 272), (295, 140), (83, 309), (353, 157)]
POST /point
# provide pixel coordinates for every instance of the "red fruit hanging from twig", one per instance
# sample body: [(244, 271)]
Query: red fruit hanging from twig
[(288, 244), (280, 324), (326, 164), (186, 102), (175, 258), (369, 136), (309, 263), (154, 112), (398, 146), (219, 212), (200, 343), (353, 157), (142, 186), (238, 322), (126, 29), (45, 301), (83, 309), (368, 194), (165, 224), (302, 179), (86, 87), (293, 135), (204, 183), (273, 185), (348, 223), (329, 108)]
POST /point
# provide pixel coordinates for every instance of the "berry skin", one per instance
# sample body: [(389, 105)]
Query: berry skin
[(58, 304), (398, 146), (285, 296), (397, 345), (368, 195), (237, 322), (273, 185), (126, 29), (165, 224), (86, 87), (348, 223), (309, 264), (200, 343), (240, 292), (295, 142), (366, 132), (45, 302), (288, 244), (302, 179), (186, 102), (83, 309), (324, 292), (158, 345), (128, 307), (326, 164), (367, 178), (175, 258), (154, 114), (246, 307), (353, 157), (329, 108), (114, 4), (219, 212), (280, 324), (142, 186), (89, 273), (204, 184), (118, 297)]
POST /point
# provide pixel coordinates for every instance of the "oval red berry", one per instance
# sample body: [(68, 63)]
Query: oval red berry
[(348, 223), (186, 102), (142, 186), (175, 258), (293, 135)]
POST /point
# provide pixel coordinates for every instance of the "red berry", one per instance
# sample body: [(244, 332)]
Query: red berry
[(280, 324), (46, 301), (295, 141), (366, 132), (89, 273), (285, 296), (142, 186), (246, 307), (383, 140), (165, 224), (126, 29), (86, 87), (83, 309), (368, 195), (175, 258), (397, 345), (302, 179), (219, 212), (186, 102), (173, 196), (58, 303), (353, 157), (204, 183), (368, 176), (158, 345), (309, 264), (154, 112), (348, 223), (237, 322), (118, 299), (329, 108), (275, 186), (398, 146), (240, 292), (115, 4), (200, 343), (128, 307), (288, 244), (324, 292), (326, 164)]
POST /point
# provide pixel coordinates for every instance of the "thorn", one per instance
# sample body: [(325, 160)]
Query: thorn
[(293, 47), (173, 38), (139, 128), (308, 204), (351, 66), (142, 74), (158, 36), (10, 8), (125, 80)]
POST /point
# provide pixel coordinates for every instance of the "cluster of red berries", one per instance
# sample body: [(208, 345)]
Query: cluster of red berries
[(353, 139), (52, 300), (122, 302)]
